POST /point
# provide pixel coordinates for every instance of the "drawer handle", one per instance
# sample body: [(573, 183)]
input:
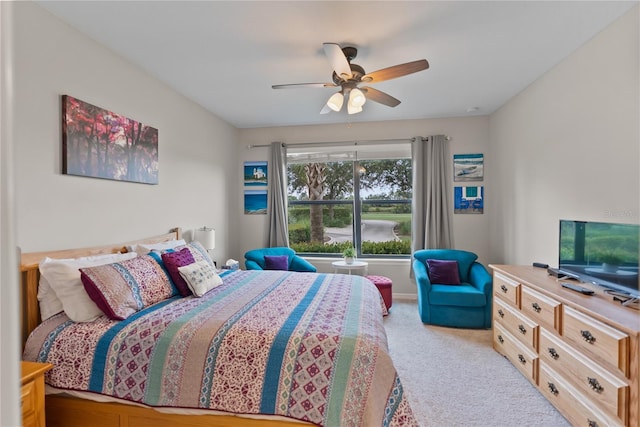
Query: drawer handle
[(553, 389), (586, 335), (501, 313), (592, 423), (522, 329), (536, 307), (553, 353), (504, 288), (500, 339), (522, 359), (595, 385)]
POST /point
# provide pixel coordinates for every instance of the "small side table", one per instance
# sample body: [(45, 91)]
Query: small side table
[(355, 265), (32, 393)]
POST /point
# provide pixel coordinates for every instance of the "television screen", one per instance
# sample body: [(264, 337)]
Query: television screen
[(602, 253)]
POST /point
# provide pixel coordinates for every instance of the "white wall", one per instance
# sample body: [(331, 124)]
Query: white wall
[(568, 147), (468, 135), (54, 211)]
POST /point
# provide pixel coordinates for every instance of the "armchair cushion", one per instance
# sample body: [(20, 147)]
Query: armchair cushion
[(464, 295), (276, 262), (443, 272)]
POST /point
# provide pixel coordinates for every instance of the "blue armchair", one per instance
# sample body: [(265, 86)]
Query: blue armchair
[(254, 259), (467, 305)]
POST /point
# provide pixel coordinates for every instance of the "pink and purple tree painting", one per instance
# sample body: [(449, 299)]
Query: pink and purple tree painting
[(101, 144)]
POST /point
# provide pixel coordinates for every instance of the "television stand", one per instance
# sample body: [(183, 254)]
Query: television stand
[(581, 352)]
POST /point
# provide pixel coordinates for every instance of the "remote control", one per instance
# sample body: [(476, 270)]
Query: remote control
[(540, 265), (577, 288)]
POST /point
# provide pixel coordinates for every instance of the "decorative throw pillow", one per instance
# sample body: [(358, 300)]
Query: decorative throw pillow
[(173, 260), (200, 277), (198, 252), (123, 288), (61, 278), (443, 272), (276, 262)]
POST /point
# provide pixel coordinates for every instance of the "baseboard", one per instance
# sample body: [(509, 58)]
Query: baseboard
[(405, 297)]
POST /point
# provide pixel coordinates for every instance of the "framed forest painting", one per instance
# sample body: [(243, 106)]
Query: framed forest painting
[(102, 144)]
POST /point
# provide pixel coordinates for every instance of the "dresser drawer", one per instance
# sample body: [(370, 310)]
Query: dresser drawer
[(610, 392), (29, 399), (508, 289), (577, 408), (520, 356), (608, 344), (513, 321), (542, 309)]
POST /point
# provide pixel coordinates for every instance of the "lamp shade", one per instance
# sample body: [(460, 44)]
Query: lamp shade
[(335, 102), (352, 109), (206, 236), (357, 98)]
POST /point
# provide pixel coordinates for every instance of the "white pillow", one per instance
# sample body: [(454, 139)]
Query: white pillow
[(49, 302), (200, 277), (144, 249), (63, 277)]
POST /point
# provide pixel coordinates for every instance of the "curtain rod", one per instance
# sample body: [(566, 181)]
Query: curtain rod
[(347, 143)]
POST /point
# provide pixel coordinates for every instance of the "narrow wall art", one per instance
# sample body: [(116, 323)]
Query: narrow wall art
[(255, 193), (99, 143)]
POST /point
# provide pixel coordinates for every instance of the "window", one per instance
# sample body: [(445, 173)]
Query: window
[(341, 198)]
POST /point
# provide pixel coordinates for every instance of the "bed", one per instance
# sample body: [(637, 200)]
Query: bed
[(261, 348)]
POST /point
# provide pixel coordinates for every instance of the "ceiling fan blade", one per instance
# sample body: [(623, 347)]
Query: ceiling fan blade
[(396, 71), (325, 109), (379, 96), (337, 59), (296, 85)]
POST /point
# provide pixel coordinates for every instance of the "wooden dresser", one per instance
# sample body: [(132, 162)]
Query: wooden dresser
[(581, 352), (32, 393)]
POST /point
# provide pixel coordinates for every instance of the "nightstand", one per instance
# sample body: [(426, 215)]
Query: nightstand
[(32, 393)]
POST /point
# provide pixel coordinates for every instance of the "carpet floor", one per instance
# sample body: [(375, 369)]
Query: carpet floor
[(454, 378)]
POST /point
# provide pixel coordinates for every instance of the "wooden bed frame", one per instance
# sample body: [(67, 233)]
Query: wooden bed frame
[(66, 411)]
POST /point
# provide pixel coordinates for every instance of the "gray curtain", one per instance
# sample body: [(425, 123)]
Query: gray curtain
[(278, 229), (431, 207)]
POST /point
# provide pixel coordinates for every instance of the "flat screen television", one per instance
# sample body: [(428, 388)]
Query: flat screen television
[(602, 253)]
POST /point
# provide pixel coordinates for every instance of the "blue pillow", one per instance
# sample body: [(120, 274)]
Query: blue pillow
[(276, 262)]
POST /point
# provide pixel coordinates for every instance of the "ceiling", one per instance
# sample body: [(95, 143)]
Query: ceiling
[(225, 55)]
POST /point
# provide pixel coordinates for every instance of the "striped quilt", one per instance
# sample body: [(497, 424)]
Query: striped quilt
[(307, 346)]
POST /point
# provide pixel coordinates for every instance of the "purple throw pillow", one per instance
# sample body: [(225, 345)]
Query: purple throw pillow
[(443, 272), (276, 262), (173, 260)]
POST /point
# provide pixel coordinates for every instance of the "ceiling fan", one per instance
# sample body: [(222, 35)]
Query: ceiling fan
[(348, 76)]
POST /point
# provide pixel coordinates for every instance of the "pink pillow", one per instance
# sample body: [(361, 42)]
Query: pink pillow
[(276, 262), (173, 260), (443, 272), (122, 288)]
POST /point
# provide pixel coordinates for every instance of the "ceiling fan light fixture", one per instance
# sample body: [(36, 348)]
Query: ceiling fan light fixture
[(352, 109), (356, 98), (336, 101)]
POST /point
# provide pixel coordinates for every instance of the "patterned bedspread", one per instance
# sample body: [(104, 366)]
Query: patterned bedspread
[(302, 345)]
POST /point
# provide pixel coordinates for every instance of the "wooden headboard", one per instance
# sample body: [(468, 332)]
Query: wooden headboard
[(30, 275)]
